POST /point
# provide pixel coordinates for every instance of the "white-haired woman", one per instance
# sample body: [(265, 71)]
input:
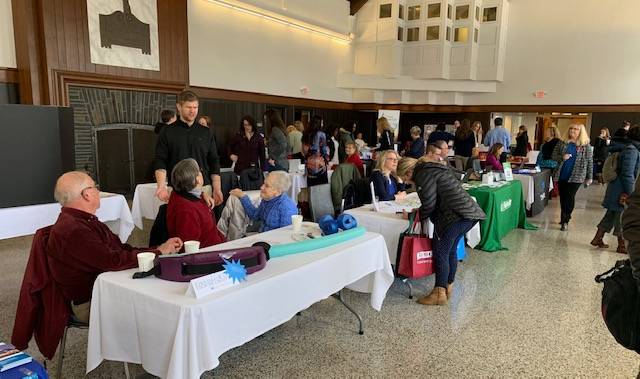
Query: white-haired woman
[(276, 208), (575, 159)]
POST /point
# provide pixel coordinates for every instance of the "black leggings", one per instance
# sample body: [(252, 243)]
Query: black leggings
[(567, 199)]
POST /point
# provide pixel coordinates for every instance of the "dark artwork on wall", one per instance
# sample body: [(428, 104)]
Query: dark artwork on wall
[(37, 147), (124, 29)]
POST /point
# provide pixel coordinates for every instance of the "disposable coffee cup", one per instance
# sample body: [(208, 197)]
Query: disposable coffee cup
[(191, 246), (145, 261), (296, 221)]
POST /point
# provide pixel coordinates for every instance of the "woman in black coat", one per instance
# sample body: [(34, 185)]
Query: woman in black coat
[(600, 153), (522, 143), (452, 211)]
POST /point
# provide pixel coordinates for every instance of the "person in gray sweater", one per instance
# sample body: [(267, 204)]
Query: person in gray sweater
[(277, 146)]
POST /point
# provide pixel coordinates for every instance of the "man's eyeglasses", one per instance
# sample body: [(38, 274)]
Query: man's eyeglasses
[(97, 187)]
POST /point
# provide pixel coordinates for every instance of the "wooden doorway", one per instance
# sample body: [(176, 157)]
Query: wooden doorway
[(124, 156)]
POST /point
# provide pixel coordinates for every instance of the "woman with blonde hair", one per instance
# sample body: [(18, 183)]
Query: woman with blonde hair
[(294, 138), (575, 160), (386, 134), (452, 211), (385, 181), (545, 157)]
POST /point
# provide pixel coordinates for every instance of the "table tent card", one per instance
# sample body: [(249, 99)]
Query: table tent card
[(233, 274), (508, 174)]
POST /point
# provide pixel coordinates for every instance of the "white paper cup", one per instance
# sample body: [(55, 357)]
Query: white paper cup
[(145, 261), (296, 221), (191, 246)]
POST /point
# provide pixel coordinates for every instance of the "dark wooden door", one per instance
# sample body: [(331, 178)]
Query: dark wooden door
[(143, 149), (113, 160)]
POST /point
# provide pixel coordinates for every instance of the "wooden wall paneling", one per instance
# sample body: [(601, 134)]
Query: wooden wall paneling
[(223, 94), (66, 42), (9, 75)]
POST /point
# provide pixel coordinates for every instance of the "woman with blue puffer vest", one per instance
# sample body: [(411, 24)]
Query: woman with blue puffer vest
[(620, 188)]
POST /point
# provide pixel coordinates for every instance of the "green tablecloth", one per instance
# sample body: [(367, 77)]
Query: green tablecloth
[(505, 210)]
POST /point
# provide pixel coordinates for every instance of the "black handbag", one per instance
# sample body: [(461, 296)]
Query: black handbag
[(621, 304), (251, 178)]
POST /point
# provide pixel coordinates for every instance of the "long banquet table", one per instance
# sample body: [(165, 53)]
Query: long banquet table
[(152, 322), (504, 206)]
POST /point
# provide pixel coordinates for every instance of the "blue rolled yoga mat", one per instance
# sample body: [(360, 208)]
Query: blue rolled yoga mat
[(317, 243)]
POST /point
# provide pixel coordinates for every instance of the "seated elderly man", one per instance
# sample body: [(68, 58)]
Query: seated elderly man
[(188, 215), (276, 208), (80, 247)]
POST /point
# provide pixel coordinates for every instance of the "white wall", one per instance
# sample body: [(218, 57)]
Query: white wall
[(7, 46), (578, 51), (232, 50)]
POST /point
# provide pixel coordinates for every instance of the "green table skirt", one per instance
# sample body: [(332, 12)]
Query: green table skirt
[(505, 210)]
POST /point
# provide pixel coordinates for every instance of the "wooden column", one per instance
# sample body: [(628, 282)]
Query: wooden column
[(30, 52)]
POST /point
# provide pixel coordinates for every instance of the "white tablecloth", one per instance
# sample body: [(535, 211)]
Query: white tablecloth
[(145, 203), (151, 321), (390, 225), (23, 221), (527, 188)]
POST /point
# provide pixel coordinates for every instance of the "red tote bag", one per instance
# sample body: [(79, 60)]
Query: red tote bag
[(416, 254)]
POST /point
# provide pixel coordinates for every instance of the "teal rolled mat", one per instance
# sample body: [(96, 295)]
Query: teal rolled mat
[(317, 243)]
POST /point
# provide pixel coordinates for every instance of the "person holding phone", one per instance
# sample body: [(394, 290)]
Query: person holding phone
[(575, 160)]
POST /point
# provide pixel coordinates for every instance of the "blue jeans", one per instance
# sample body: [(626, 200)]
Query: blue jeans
[(445, 251)]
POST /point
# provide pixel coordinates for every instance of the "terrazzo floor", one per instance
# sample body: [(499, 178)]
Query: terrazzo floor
[(531, 311)]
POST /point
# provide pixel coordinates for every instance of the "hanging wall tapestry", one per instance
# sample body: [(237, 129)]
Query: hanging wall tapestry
[(124, 33)]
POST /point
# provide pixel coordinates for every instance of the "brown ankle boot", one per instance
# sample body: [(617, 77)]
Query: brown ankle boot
[(597, 240), (449, 291), (622, 248), (438, 296)]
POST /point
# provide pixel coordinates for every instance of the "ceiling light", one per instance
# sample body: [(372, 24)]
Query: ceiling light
[(284, 20)]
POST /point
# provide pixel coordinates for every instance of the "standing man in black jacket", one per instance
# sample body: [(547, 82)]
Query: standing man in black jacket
[(185, 138)]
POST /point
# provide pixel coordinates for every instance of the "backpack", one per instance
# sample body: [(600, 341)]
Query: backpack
[(610, 168), (621, 304)]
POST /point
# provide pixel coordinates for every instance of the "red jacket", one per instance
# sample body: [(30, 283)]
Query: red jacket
[(189, 218), (356, 161), (43, 311)]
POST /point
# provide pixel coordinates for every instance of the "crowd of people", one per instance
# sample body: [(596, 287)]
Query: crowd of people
[(187, 172)]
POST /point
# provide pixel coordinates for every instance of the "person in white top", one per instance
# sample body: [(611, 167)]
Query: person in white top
[(335, 160), (360, 142), (294, 136)]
